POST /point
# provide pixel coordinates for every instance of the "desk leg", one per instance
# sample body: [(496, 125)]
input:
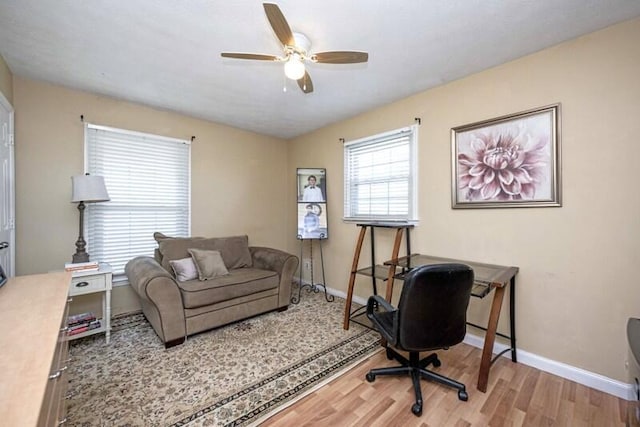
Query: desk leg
[(490, 338), (394, 257), (352, 278), (512, 318)]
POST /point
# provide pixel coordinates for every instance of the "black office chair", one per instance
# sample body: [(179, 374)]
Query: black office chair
[(431, 315)]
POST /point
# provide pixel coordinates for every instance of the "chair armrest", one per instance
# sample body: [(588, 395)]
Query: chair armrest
[(377, 299), (159, 295), (385, 321), (283, 263)]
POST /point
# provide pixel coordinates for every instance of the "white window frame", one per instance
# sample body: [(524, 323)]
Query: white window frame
[(143, 243), (353, 211)]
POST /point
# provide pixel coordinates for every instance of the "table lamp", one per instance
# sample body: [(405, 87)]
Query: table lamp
[(86, 189)]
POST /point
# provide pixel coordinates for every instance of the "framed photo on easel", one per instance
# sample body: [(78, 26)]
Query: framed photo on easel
[(311, 197), (311, 185), (312, 203), (312, 221)]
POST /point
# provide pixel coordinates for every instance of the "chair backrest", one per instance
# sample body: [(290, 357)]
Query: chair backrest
[(432, 311)]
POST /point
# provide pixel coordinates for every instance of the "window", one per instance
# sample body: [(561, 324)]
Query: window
[(380, 177), (148, 180)]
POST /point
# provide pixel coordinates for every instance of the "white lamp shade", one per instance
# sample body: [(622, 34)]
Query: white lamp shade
[(88, 189), (294, 68)]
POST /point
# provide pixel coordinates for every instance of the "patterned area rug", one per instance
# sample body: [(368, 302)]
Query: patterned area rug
[(231, 376)]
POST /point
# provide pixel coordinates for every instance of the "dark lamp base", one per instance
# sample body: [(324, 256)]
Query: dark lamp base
[(81, 254), (80, 257)]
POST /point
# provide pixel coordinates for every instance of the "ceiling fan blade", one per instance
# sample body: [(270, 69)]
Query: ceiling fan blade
[(255, 56), (340, 57), (305, 83), (279, 24)]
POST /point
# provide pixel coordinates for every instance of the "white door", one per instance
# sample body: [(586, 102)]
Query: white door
[(7, 189)]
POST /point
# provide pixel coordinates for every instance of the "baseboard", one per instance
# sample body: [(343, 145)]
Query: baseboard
[(578, 375)]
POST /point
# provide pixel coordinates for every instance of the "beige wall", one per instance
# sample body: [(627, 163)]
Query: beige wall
[(6, 80), (578, 281), (237, 176)]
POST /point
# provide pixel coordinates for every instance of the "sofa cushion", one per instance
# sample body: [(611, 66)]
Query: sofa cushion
[(234, 250), (238, 283), (209, 263), (159, 237), (184, 269)]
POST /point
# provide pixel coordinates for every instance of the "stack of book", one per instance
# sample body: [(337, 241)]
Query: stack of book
[(82, 266), (83, 322)]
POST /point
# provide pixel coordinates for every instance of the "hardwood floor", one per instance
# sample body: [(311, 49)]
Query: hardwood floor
[(518, 395)]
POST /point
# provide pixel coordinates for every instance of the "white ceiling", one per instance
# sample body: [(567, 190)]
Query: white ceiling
[(166, 53)]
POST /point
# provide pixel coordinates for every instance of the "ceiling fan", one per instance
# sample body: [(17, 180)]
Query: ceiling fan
[(296, 51)]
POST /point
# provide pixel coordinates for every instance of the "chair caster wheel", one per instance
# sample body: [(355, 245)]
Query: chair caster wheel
[(370, 377), (462, 395), (389, 354), (437, 363), (416, 409)]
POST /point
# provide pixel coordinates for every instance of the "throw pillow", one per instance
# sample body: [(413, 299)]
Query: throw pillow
[(185, 269), (209, 263), (158, 236), (234, 249)]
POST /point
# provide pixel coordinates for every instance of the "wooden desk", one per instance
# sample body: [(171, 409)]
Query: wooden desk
[(487, 278), (32, 310)]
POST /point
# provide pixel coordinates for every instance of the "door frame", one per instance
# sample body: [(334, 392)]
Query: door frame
[(11, 268)]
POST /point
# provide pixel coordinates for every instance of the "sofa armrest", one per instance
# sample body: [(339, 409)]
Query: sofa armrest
[(284, 263), (159, 296)]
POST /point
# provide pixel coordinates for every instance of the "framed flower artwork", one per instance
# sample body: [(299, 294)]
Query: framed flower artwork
[(509, 161)]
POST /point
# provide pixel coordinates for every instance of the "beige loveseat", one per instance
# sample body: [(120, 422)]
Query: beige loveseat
[(240, 281)]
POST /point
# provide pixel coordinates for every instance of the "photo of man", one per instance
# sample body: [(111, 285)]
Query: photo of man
[(312, 193), (311, 185)]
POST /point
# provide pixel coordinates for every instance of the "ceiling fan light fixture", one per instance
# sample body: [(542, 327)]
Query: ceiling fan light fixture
[(294, 68), (297, 51)]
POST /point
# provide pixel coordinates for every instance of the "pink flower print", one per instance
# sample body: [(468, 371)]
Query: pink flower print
[(503, 165)]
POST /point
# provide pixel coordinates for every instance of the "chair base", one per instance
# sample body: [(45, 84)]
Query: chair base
[(417, 369)]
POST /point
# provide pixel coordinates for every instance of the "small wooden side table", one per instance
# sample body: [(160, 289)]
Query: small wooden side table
[(89, 282)]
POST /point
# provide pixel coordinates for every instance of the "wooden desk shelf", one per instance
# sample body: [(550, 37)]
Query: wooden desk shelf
[(380, 272)]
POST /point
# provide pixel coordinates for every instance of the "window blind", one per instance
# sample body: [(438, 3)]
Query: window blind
[(380, 177), (148, 180)]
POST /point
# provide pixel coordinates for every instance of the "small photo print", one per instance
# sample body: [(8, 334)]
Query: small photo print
[(312, 185), (312, 221)]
